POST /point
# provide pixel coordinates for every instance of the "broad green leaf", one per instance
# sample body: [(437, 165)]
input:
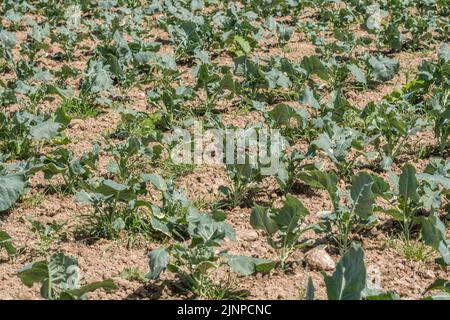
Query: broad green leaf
[(260, 219), (379, 186), (439, 284), (384, 69), (283, 113), (159, 258), (8, 39), (321, 180), (12, 187), (349, 279), (108, 285), (288, 217), (156, 180), (6, 242), (444, 52), (434, 235), (275, 78), (309, 98), (408, 184), (45, 130), (362, 196), (243, 44), (393, 37), (249, 265), (357, 73), (313, 65)]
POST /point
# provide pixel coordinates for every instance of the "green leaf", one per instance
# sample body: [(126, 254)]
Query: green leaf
[(8, 39), (275, 78), (108, 285), (6, 242), (439, 284), (309, 98), (249, 265), (444, 52), (357, 73), (393, 37), (290, 214), (434, 235), (45, 130), (408, 184), (12, 187), (110, 188), (362, 196), (34, 272), (349, 279), (395, 213), (321, 180), (379, 186), (260, 219), (384, 69), (243, 44), (390, 295), (156, 180), (310, 290), (159, 258), (283, 113), (313, 65)]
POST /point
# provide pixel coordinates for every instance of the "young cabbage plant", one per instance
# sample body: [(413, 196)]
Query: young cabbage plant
[(195, 262), (214, 81), (126, 154), (435, 185), (337, 142), (47, 233), (73, 170), (59, 277), (417, 199), (290, 168), (391, 123), (243, 179), (283, 227), (115, 209), (23, 133), (170, 217), (340, 223), (381, 69), (406, 196)]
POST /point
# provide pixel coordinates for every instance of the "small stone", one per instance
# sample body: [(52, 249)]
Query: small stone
[(247, 235), (319, 259), (430, 274)]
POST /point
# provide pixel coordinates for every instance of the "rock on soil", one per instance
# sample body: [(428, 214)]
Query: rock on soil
[(247, 235), (319, 259)]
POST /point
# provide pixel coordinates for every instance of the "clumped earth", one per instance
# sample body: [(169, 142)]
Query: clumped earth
[(89, 95)]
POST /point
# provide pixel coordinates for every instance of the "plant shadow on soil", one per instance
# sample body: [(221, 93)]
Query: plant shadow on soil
[(149, 290), (177, 288)]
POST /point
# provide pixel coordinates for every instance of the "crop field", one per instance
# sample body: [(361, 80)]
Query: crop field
[(210, 149)]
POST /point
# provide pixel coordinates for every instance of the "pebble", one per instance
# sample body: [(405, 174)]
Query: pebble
[(247, 235), (319, 259)]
